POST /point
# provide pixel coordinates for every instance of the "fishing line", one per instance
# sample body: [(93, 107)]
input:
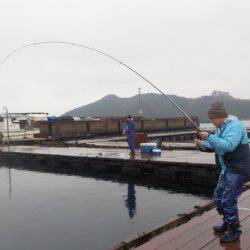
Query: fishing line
[(106, 55)]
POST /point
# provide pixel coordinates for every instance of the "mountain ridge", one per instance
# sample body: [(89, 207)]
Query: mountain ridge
[(156, 106)]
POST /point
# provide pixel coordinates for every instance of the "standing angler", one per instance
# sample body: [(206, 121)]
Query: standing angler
[(230, 143), (130, 133)]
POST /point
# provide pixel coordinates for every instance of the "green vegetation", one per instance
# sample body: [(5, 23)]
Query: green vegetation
[(155, 106)]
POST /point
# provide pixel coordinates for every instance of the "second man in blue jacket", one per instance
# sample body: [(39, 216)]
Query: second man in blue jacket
[(130, 133)]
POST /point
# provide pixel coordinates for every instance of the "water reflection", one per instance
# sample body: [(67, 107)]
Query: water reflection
[(10, 183), (61, 209), (130, 202), (145, 180)]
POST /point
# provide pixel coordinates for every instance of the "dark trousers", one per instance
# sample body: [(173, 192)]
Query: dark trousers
[(131, 143), (226, 194)]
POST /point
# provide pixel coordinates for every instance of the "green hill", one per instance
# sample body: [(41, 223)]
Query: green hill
[(156, 106)]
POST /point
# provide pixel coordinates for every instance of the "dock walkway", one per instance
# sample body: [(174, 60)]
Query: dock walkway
[(106, 143), (180, 156), (198, 232), (190, 168), (151, 136)]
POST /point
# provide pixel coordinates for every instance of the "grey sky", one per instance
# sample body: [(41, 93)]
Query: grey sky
[(186, 47)]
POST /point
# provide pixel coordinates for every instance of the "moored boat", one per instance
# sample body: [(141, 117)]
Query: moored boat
[(10, 129)]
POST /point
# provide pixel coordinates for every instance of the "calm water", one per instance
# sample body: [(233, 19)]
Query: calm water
[(49, 211)]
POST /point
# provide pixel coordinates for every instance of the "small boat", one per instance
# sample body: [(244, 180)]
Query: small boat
[(10, 130)]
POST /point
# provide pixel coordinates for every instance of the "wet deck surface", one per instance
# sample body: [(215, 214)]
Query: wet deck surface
[(198, 233), (123, 144), (178, 156), (120, 142), (120, 138)]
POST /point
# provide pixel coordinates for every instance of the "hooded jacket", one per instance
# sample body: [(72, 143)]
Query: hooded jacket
[(231, 146)]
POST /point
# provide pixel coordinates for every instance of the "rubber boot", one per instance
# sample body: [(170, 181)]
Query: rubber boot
[(132, 155), (221, 228), (233, 233)]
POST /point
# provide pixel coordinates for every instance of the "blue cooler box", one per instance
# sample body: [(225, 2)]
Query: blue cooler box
[(147, 148), (156, 152)]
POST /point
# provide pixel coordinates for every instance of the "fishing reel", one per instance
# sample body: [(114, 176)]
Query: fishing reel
[(197, 136), (200, 147)]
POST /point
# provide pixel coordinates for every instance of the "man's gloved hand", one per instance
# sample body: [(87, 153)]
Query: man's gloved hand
[(204, 135), (199, 145), (202, 148)]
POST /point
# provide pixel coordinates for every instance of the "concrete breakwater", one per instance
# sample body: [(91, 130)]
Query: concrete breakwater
[(110, 126), (184, 168)]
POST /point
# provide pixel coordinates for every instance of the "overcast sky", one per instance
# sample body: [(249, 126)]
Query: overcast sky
[(186, 47)]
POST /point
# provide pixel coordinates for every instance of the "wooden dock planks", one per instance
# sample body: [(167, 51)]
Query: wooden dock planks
[(198, 232)]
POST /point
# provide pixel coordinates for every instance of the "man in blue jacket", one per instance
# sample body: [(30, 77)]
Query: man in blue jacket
[(230, 143), (130, 133)]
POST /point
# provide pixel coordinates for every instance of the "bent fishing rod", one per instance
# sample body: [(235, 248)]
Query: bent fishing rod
[(106, 55)]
